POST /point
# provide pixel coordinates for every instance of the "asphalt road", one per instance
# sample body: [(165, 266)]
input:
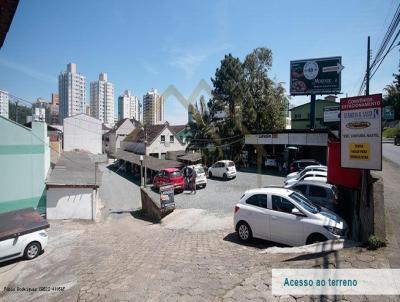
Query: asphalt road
[(391, 152)]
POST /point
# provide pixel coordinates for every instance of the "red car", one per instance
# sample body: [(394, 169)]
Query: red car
[(169, 176)]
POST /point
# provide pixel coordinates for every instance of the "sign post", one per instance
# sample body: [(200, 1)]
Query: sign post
[(361, 132)]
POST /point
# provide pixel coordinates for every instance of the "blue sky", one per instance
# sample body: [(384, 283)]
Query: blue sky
[(152, 44)]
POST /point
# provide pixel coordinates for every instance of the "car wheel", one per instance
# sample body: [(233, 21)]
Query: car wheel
[(244, 231), (204, 186), (209, 175), (225, 176), (32, 250), (314, 238)]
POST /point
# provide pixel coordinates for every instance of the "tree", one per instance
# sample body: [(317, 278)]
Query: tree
[(393, 95), (265, 101)]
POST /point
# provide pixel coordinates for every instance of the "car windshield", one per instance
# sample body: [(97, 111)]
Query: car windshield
[(231, 164), (304, 202), (199, 170), (176, 174)]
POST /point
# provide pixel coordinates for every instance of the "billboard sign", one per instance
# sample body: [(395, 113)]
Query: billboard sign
[(361, 132), (331, 114), (316, 76)]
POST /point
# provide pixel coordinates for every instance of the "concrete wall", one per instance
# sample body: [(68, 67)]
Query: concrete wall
[(24, 164), (83, 132), (71, 203)]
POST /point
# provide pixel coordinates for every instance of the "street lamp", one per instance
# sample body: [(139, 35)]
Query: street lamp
[(141, 171)]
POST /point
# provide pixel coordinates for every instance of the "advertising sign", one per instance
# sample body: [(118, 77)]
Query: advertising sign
[(331, 114), (361, 132), (388, 113), (167, 201), (316, 76)]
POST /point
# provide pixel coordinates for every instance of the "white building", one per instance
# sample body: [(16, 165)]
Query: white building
[(113, 138), (72, 92), (153, 108), (153, 140), (102, 100), (84, 133), (4, 103), (128, 106), (40, 110)]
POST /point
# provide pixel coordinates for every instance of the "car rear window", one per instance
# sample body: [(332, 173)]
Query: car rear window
[(199, 170), (231, 164), (176, 174)]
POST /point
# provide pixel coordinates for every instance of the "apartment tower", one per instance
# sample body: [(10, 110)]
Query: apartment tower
[(153, 108), (102, 100), (71, 90)]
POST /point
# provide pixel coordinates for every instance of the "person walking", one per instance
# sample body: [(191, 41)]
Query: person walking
[(192, 178)]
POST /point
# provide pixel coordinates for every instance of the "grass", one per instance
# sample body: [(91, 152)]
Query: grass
[(390, 132)]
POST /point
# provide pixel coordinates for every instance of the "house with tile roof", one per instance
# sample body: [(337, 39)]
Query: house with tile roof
[(154, 140)]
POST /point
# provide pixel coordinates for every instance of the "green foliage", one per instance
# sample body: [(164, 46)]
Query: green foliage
[(392, 97), (390, 132), (374, 242), (20, 115)]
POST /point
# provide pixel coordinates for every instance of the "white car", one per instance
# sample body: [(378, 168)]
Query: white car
[(201, 178), (224, 169), (305, 170), (303, 176), (285, 216), (270, 161), (28, 246)]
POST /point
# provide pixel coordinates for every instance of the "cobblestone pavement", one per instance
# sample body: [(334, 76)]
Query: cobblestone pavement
[(134, 260)]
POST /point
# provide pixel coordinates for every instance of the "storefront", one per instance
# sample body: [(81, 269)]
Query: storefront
[(288, 145)]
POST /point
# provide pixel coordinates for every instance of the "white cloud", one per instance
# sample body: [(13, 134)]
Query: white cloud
[(28, 71)]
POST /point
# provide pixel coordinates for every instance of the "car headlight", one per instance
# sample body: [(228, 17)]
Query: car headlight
[(43, 234), (334, 231)]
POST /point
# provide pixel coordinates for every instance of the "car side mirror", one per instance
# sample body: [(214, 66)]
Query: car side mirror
[(295, 211)]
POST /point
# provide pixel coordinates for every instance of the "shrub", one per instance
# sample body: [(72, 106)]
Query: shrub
[(390, 132), (374, 242)]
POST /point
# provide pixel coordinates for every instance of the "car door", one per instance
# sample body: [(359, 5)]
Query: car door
[(257, 215), (285, 227), (218, 169), (10, 247)]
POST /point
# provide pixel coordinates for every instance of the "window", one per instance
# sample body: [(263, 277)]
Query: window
[(258, 200), (282, 204), (302, 189), (231, 164), (163, 138), (316, 191), (171, 138)]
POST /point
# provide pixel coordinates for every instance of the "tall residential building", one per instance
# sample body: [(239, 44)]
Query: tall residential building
[(4, 103), (128, 106), (72, 92), (54, 109), (153, 108), (102, 100)]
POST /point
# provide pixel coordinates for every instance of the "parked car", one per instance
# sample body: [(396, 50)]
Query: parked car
[(224, 169), (306, 169), (300, 164), (285, 216), (303, 176), (22, 234), (322, 194), (201, 178), (169, 176), (397, 139), (271, 161)]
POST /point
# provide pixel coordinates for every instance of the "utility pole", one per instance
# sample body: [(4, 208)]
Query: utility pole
[(312, 111), (368, 67)]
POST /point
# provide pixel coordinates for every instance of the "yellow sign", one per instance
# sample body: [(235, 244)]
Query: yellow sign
[(359, 151)]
